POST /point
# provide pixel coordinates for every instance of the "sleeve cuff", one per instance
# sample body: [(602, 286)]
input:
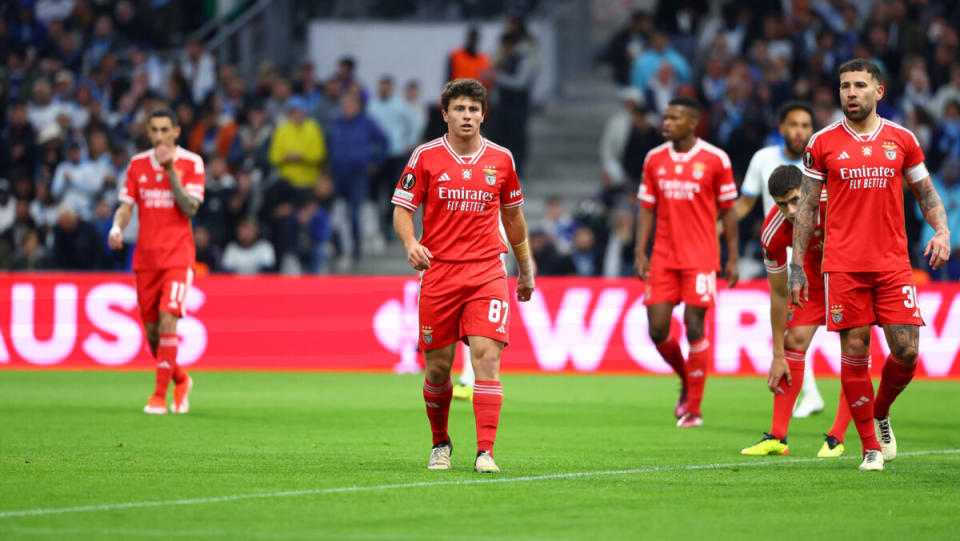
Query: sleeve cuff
[(404, 204)]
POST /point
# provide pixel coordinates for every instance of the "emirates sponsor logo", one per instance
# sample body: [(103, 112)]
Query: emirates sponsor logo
[(679, 189), (847, 173), (465, 194)]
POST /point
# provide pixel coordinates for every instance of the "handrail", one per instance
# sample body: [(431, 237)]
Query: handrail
[(227, 32)]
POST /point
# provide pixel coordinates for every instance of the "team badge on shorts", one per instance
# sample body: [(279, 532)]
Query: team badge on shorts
[(836, 313), (427, 333), (790, 309), (408, 181)]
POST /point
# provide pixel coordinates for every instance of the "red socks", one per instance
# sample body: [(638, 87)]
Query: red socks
[(669, 349), (437, 398), (842, 420), (697, 374), (783, 403), (487, 399), (897, 373), (858, 388), (167, 364)]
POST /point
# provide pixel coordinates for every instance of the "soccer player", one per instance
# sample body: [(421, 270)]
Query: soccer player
[(466, 185), (796, 127), (166, 183), (863, 159), (685, 180), (793, 328)]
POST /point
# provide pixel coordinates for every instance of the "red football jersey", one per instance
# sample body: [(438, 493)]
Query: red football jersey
[(461, 197), (864, 176), (165, 238), (777, 235), (686, 188)]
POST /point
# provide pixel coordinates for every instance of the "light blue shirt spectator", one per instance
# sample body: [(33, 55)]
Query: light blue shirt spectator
[(646, 65)]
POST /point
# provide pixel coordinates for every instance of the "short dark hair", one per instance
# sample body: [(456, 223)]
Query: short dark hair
[(165, 113), (791, 106), (861, 64), (470, 88), (684, 101), (784, 179)]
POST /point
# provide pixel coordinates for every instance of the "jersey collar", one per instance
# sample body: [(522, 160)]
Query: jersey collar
[(465, 159), (866, 136), (685, 156), (177, 151)]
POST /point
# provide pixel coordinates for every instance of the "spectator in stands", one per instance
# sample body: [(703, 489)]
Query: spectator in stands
[(208, 253), (76, 182), (328, 103), (558, 225), (585, 256), (76, 243), (249, 254), (549, 261), (346, 77), (18, 74), (276, 103), (647, 64), (298, 148), (468, 62), (19, 137), (43, 209), (627, 137), (357, 150), (662, 88), (104, 40), (945, 94), (307, 86), (199, 69), (619, 253), (395, 118), (143, 61), (946, 138), (308, 236), (419, 110), (220, 187), (515, 72), (32, 255), (26, 30), (626, 45), (252, 141), (42, 110)]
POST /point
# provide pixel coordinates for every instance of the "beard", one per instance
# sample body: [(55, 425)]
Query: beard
[(795, 150), (859, 114)]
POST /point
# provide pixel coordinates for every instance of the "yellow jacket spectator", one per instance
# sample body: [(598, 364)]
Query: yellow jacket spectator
[(298, 148)]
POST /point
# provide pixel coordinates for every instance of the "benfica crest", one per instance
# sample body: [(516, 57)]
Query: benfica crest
[(698, 168), (890, 151), (836, 313)]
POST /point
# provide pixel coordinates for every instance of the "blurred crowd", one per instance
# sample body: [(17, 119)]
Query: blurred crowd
[(300, 165), (742, 64)]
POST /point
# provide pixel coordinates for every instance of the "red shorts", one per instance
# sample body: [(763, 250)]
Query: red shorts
[(856, 299), (162, 289), (463, 299), (812, 311), (692, 286)]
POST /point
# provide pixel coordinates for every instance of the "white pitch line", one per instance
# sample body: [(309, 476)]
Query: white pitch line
[(336, 490)]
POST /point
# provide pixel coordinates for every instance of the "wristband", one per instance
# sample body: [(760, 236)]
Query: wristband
[(522, 251), (116, 230)]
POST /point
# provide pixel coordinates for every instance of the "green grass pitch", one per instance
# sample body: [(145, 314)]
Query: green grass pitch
[(343, 456)]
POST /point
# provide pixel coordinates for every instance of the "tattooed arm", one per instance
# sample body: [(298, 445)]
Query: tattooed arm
[(932, 207), (803, 225)]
